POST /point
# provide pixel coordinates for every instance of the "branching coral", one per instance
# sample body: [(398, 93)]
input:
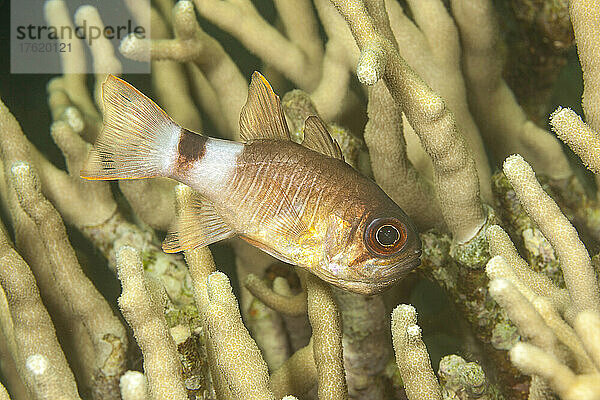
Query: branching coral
[(411, 355), (105, 361), (439, 116), (456, 179), (501, 119), (29, 333), (550, 320), (142, 309)]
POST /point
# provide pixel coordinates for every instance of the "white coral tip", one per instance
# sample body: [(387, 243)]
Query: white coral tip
[(37, 364)]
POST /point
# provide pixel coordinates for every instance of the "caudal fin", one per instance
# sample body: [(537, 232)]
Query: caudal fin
[(138, 139)]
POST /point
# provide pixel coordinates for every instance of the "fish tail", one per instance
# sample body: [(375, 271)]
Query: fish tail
[(138, 139)]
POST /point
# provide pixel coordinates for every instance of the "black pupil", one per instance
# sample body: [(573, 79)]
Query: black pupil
[(387, 235)]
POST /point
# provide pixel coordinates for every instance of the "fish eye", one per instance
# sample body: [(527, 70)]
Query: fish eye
[(385, 236)]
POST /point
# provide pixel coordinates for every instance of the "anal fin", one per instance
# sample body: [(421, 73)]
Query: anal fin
[(198, 225)]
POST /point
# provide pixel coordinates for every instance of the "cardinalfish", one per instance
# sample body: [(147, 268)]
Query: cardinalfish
[(300, 203)]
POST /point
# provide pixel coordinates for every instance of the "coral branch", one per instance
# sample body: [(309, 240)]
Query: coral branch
[(73, 62), (391, 167), (103, 54), (553, 325), (87, 305), (456, 181), (35, 349), (143, 313), (3, 393), (578, 135), (430, 45), (502, 121), (169, 80), (11, 378), (201, 264), (587, 326), (332, 95), (411, 355), (531, 325), (574, 258), (327, 339), (532, 360), (293, 306), (585, 16), (208, 54), (297, 375), (301, 27), (501, 245), (241, 364), (70, 194), (262, 39)]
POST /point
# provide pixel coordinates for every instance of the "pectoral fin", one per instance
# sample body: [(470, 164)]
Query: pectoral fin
[(198, 225), (262, 116)]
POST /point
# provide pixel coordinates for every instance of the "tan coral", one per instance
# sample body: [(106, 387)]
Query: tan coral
[(389, 162), (3, 393), (573, 256), (503, 123), (88, 307), (297, 375), (293, 306), (431, 46), (412, 357), (56, 13), (332, 96), (533, 360), (191, 43), (169, 79), (456, 180), (293, 57), (578, 135), (205, 77), (585, 17), (234, 347), (327, 339), (541, 310), (35, 348), (141, 310)]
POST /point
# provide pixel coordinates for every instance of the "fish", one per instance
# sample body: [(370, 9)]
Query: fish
[(301, 203)]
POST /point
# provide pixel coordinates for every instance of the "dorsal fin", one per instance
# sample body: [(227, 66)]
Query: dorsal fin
[(262, 116), (317, 138), (198, 225)]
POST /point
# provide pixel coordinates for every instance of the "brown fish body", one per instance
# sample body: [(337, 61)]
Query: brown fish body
[(332, 201), (305, 206)]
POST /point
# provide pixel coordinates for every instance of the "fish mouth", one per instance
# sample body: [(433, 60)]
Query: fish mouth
[(372, 283), (400, 267), (415, 262), (367, 288), (389, 275), (373, 286)]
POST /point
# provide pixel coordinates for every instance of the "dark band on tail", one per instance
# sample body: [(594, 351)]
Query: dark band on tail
[(191, 148)]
